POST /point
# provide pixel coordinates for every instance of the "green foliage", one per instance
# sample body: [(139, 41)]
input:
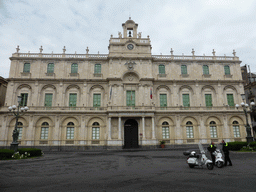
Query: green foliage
[(236, 146), (6, 154), (162, 142), (17, 155), (253, 144), (33, 152)]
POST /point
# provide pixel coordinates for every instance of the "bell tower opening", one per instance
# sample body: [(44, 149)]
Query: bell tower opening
[(130, 29)]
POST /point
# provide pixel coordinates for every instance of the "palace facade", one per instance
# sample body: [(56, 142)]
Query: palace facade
[(126, 98)]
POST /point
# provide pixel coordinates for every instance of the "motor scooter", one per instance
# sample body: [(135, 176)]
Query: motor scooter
[(218, 158), (195, 160)]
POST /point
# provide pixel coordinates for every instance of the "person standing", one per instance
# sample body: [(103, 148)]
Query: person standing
[(225, 149), (211, 149)]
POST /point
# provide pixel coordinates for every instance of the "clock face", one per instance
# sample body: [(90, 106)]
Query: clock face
[(130, 46)]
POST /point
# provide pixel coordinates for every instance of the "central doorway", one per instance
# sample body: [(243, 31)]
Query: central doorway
[(131, 134)]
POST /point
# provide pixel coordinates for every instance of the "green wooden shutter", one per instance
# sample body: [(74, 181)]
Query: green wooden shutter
[(205, 70), (26, 68), (185, 98), (48, 100), (163, 100), (161, 69), (24, 99), (227, 70), (230, 99), (183, 69), (96, 100), (72, 99), (208, 100), (97, 69), (50, 68), (130, 98), (74, 68)]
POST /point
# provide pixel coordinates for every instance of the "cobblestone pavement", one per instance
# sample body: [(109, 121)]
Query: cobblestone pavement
[(160, 170)]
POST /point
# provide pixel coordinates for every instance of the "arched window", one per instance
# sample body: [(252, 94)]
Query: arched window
[(161, 69), (95, 131), (165, 130), (227, 70), (205, 69), (97, 69), (50, 68), (236, 129), (19, 129), (70, 130), (213, 129), (74, 68), (189, 129), (44, 130)]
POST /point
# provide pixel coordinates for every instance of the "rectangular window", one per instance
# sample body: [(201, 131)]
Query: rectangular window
[(72, 99), (96, 100), (130, 98), (227, 70), (26, 68), (205, 70), (44, 132), (74, 68), (70, 132), (183, 69), (97, 69), (213, 131), (185, 98), (95, 133), (190, 133), (50, 68), (161, 69), (208, 100), (19, 129), (165, 132), (230, 99), (236, 131), (24, 99), (48, 100), (163, 100)]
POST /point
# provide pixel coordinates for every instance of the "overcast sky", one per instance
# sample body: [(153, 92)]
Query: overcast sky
[(204, 25)]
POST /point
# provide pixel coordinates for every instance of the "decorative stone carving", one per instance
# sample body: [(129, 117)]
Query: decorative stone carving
[(130, 64)]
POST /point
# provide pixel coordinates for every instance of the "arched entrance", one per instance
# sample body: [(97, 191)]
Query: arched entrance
[(131, 134)]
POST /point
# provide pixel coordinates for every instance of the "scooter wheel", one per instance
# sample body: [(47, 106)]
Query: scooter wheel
[(219, 164), (210, 166), (191, 166)]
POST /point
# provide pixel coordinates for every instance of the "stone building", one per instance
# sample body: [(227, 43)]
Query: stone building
[(126, 98), (3, 87)]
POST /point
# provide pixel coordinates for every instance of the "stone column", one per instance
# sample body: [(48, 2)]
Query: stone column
[(153, 128), (119, 128), (109, 128), (143, 127)]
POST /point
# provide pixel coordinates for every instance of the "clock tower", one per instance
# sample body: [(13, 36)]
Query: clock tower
[(130, 43)]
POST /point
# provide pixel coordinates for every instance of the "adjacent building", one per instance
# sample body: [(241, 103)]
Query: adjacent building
[(126, 98)]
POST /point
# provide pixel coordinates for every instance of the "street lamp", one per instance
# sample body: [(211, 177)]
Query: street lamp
[(247, 108), (17, 113)]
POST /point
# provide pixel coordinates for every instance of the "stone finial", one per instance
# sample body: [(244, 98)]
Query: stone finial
[(193, 52), (119, 34), (41, 49), (64, 49), (87, 50), (18, 49), (139, 35), (148, 36), (213, 52), (98, 52), (234, 52), (130, 18), (75, 52), (171, 51), (111, 36)]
